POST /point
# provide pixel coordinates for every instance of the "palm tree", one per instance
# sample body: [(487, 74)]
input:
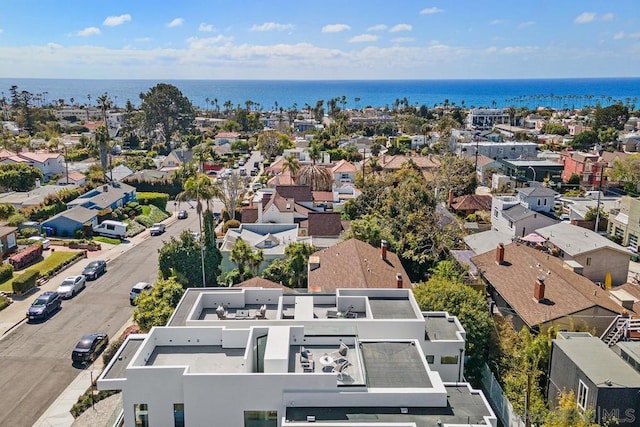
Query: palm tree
[(317, 177), (292, 165), (104, 103), (199, 187), (102, 139)]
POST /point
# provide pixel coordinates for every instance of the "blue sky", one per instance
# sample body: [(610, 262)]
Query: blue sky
[(328, 39)]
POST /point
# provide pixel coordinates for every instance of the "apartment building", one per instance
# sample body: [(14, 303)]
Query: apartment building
[(257, 357)]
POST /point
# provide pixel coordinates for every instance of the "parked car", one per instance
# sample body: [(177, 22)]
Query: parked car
[(46, 243), (254, 172), (95, 269), (71, 286), (243, 171), (183, 214), (89, 348), (137, 289), (111, 228), (157, 229), (256, 186), (44, 305)]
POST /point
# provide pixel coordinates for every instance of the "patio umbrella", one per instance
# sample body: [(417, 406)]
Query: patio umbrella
[(534, 238)]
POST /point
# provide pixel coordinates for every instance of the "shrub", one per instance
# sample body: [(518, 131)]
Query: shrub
[(29, 231), (6, 210), (25, 281), (4, 302), (16, 219), (157, 199), (232, 223), (79, 234), (155, 215), (88, 399), (6, 272)]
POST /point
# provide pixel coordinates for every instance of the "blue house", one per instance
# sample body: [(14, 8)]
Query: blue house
[(66, 223), (113, 195)]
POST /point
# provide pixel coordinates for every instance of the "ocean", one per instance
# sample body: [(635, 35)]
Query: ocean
[(275, 94)]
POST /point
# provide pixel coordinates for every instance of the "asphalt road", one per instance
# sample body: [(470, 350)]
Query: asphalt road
[(35, 359)]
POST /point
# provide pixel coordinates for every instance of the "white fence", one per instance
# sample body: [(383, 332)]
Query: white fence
[(500, 404)]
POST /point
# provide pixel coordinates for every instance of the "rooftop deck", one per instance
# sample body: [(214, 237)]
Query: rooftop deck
[(388, 308), (199, 358), (354, 375), (463, 407)]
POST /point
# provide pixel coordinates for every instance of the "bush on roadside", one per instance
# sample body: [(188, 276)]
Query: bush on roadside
[(25, 281), (16, 219), (155, 215), (4, 302), (6, 272), (157, 199), (6, 210), (86, 401)]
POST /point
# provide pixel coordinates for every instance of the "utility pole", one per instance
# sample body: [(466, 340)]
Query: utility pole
[(602, 167), (364, 163)]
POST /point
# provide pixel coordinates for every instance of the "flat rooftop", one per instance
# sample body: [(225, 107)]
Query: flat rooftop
[(390, 308), (118, 369), (199, 358), (441, 328), (181, 312), (463, 407), (598, 362), (394, 365)]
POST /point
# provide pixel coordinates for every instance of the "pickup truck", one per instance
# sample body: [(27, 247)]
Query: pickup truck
[(156, 229)]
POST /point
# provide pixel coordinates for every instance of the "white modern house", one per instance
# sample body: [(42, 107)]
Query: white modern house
[(257, 357)]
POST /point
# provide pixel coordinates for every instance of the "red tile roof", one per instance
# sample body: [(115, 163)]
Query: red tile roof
[(472, 202), (355, 264), (259, 282)]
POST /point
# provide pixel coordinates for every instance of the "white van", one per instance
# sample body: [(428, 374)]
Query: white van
[(111, 228)]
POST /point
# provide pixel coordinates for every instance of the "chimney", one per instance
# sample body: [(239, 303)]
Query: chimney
[(450, 199), (399, 281), (500, 254), (538, 290), (383, 249)]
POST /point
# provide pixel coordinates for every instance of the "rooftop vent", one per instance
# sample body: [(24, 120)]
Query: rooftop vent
[(311, 418), (404, 410)]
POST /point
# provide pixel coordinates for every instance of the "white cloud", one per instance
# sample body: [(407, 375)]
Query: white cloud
[(403, 40), (431, 11), (89, 31), (272, 26), (205, 42), (619, 35), (176, 23), (491, 49), (400, 27), (114, 21), (497, 22), (526, 24), (206, 28), (634, 35), (363, 38), (379, 27), (335, 28), (607, 17), (584, 18)]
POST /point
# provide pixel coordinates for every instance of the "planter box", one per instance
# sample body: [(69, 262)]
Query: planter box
[(87, 246)]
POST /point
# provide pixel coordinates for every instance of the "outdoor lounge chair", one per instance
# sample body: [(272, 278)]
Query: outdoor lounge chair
[(339, 368), (341, 352), (261, 313)]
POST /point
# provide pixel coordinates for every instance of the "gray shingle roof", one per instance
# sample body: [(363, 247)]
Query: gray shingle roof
[(575, 240), (537, 191)]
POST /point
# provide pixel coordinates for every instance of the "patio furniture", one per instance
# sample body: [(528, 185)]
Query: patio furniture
[(242, 314), (261, 313), (326, 361), (221, 312), (339, 368)]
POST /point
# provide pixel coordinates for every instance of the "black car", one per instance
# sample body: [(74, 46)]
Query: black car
[(183, 215), (95, 269), (89, 347), (44, 305)]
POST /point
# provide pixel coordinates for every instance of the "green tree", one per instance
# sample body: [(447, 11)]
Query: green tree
[(316, 176), (245, 258), (291, 271), (457, 174), (449, 270), (554, 129), (19, 176), (165, 105), (614, 116), (568, 414), (182, 258), (292, 165), (471, 309), (627, 170), (102, 142), (272, 143), (607, 135), (585, 140), (370, 229), (156, 307)]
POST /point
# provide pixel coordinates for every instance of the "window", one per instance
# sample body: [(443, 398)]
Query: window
[(495, 213), (449, 360), (260, 418), (178, 414), (545, 202), (588, 260), (510, 224), (141, 414), (633, 241), (583, 393), (538, 202), (430, 358)]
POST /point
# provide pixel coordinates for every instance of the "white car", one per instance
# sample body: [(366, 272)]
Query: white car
[(46, 243), (71, 286)]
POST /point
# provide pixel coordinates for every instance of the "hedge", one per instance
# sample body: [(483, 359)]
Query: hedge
[(157, 199), (25, 281), (155, 215), (4, 302), (6, 272)]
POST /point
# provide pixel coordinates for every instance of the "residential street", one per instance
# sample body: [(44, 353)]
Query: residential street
[(36, 358)]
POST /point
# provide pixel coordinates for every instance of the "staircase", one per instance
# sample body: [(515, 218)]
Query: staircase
[(622, 328)]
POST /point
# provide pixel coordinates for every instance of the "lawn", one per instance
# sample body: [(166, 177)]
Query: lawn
[(108, 240), (51, 262)]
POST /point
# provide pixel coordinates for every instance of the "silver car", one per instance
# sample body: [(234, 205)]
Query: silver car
[(71, 286)]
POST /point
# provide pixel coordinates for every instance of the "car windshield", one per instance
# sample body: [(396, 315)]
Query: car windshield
[(67, 282), (40, 302), (84, 344), (135, 290), (93, 264)]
